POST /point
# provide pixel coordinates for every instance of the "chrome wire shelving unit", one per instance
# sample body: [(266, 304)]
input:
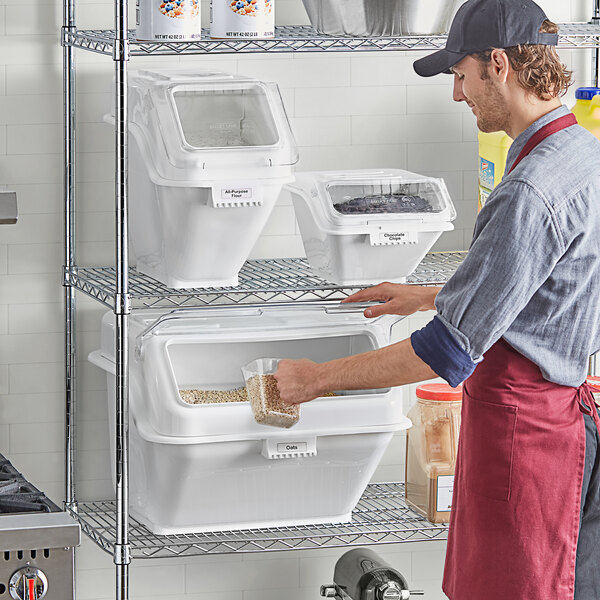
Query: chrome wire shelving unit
[(272, 281), (380, 517), (300, 38)]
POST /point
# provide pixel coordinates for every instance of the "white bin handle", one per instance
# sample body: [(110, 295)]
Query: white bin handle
[(181, 313), (97, 358), (349, 307), (293, 448)]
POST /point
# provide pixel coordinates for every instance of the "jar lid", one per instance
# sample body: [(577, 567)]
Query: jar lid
[(586, 93), (594, 382), (440, 392)]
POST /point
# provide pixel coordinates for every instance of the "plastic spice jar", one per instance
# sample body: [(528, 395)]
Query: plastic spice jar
[(431, 447)]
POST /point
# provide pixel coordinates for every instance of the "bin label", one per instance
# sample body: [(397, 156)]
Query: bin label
[(236, 194), (292, 447), (393, 238), (445, 486)]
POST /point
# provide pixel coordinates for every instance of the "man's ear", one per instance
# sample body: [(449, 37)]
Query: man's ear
[(499, 65)]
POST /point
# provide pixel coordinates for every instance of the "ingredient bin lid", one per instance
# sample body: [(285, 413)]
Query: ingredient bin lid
[(189, 122), (354, 198), (206, 349), (440, 392)]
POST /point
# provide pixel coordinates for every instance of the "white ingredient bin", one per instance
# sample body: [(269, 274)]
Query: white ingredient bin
[(364, 227), (210, 153), (208, 467)]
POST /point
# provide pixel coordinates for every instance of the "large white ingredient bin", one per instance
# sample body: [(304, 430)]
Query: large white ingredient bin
[(207, 467), (364, 227), (210, 153)]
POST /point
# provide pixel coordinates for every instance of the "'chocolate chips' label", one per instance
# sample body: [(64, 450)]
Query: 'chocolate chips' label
[(390, 238)]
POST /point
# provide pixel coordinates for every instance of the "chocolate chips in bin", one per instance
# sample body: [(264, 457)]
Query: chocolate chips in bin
[(384, 204)]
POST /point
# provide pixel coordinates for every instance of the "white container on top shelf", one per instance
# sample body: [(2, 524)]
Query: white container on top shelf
[(209, 156), (367, 226), (208, 467)]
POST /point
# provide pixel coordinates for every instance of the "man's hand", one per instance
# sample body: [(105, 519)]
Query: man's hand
[(398, 298), (297, 381)]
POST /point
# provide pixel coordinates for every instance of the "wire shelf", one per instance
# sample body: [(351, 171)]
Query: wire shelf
[(260, 281), (301, 38), (380, 517)]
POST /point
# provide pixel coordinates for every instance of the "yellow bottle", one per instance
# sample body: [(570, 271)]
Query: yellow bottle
[(587, 109), (493, 149)]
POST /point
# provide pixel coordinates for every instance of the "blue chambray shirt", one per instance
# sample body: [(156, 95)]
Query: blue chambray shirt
[(532, 273)]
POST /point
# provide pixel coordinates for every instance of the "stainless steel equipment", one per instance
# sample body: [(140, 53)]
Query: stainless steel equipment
[(366, 18), (8, 207), (361, 574), (37, 542)]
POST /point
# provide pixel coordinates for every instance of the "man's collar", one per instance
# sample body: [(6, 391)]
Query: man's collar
[(525, 136)]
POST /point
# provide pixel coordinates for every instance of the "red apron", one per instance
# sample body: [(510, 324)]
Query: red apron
[(515, 515)]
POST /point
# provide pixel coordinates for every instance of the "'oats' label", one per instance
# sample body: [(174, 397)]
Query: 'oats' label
[(292, 447)]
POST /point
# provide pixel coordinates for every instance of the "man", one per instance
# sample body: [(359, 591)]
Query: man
[(516, 323)]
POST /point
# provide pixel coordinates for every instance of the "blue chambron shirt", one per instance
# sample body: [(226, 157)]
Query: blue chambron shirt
[(532, 273)]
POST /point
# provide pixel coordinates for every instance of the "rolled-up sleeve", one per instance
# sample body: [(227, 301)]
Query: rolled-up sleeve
[(515, 247)]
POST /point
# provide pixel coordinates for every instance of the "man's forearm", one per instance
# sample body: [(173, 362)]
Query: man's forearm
[(390, 366)]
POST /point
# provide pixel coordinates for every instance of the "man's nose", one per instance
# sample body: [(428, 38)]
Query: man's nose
[(457, 94)]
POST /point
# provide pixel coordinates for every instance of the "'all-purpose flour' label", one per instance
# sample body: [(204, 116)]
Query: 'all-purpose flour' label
[(168, 20), (247, 19)]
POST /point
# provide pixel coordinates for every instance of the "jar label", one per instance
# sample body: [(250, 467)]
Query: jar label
[(445, 486), (242, 19), (177, 20)]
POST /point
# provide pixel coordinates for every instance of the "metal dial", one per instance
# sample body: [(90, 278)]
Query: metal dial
[(28, 583)]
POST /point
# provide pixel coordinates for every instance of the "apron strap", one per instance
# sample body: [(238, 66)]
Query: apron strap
[(546, 131), (587, 403)]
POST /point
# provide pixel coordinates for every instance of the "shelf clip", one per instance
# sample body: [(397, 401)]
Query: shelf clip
[(121, 50), (122, 554), (122, 304), (67, 274), (67, 31)]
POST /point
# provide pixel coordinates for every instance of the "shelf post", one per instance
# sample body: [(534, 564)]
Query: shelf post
[(122, 307), (69, 152), (596, 55)]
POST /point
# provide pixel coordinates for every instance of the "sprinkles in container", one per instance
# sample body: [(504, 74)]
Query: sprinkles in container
[(246, 19), (168, 20)]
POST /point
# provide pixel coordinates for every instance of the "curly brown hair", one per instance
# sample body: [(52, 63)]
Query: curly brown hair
[(538, 68)]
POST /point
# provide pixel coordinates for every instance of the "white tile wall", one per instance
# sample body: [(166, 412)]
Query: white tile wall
[(364, 110)]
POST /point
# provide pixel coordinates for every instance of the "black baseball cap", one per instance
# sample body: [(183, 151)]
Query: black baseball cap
[(483, 24)]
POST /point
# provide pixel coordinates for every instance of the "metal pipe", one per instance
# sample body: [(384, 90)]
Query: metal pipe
[(69, 150), (596, 54), (122, 304), (593, 365)]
